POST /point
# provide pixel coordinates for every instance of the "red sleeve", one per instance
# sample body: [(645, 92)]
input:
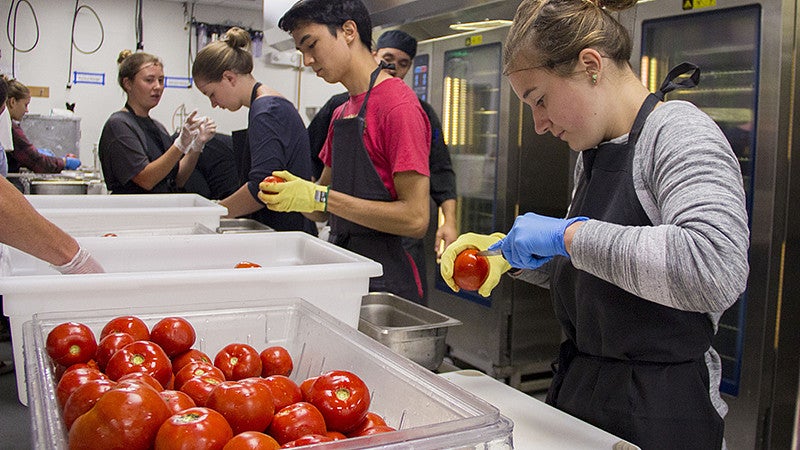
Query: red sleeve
[(27, 156), (325, 153)]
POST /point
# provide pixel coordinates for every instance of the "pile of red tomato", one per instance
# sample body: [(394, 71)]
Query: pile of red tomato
[(140, 388)]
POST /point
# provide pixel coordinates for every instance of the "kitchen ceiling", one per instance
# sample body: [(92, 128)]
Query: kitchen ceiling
[(241, 4)]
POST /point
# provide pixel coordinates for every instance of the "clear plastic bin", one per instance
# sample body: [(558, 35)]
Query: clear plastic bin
[(428, 411), (106, 213), (187, 270)]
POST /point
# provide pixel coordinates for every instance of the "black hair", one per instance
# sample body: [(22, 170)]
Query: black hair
[(3, 89), (332, 13)]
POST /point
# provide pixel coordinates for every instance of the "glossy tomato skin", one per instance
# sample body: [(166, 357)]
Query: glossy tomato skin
[(73, 379), (188, 356), (374, 430), (143, 377), (284, 391), (470, 270), (370, 421), (127, 416), (238, 361), (246, 406), (84, 397), (176, 401), (246, 265), (252, 440), (127, 324), (308, 440), (199, 388), (272, 179), (343, 399), (140, 356), (276, 360), (194, 428), (305, 388), (174, 335), (71, 343), (296, 421), (197, 369), (109, 345)]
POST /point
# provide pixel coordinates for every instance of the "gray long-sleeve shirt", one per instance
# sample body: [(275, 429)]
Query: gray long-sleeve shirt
[(688, 180)]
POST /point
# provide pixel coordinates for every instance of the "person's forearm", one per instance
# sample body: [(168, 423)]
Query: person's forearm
[(25, 229), (186, 167), (403, 218), (157, 170), (241, 203)]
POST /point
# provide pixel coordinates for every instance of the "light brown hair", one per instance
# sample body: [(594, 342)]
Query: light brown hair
[(551, 33), (17, 90), (131, 63), (232, 52)]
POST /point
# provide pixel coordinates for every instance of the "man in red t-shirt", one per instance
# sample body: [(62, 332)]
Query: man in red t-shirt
[(375, 181)]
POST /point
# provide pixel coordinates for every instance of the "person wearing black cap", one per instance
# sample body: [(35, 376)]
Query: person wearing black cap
[(399, 48)]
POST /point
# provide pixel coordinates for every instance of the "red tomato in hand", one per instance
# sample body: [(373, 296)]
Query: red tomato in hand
[(238, 361), (128, 416), (247, 265), (246, 406), (197, 369), (84, 397), (127, 324), (140, 356), (188, 356), (194, 428), (73, 379), (175, 335), (470, 270), (296, 421), (199, 388), (342, 398), (272, 179), (177, 401), (276, 361), (284, 390), (252, 440), (109, 345), (71, 343), (370, 421)]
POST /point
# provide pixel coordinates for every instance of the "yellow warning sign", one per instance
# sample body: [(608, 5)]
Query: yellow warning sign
[(474, 40), (697, 4)]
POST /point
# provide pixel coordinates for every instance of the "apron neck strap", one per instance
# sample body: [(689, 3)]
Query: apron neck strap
[(670, 84), (254, 93), (374, 76)]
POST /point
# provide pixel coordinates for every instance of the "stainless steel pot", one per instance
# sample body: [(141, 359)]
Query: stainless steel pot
[(58, 187)]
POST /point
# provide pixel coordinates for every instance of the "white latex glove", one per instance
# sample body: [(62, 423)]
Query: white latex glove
[(207, 128), (189, 131), (82, 262)]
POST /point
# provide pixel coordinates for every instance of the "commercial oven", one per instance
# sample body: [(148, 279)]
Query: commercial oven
[(503, 168), (747, 53)]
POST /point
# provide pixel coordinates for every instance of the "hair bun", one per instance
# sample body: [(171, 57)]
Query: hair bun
[(237, 38), (123, 55)]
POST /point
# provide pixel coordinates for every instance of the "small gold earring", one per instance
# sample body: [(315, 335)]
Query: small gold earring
[(594, 78)]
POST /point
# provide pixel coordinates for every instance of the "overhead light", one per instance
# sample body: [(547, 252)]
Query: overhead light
[(480, 25)]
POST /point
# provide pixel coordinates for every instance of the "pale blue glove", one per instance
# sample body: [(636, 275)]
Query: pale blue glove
[(46, 151), (534, 240), (71, 163)]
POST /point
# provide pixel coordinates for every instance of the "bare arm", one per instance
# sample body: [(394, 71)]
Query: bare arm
[(157, 170), (447, 232), (241, 203), (25, 229), (186, 167)]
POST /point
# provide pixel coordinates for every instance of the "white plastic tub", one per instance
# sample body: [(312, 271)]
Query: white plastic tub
[(428, 411), (102, 214), (188, 270)]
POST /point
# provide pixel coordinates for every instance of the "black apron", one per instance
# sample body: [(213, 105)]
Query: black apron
[(157, 142), (629, 366), (354, 174)]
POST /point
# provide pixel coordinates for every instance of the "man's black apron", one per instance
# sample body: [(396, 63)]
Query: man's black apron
[(630, 366), (354, 174)]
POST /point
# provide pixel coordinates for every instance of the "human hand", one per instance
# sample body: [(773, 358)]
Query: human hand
[(446, 234), (497, 264), (206, 130), (534, 240), (71, 163), (188, 133), (293, 195), (81, 263)]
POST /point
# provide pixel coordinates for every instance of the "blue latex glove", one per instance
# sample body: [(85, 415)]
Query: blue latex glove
[(71, 163), (534, 240), (46, 151)]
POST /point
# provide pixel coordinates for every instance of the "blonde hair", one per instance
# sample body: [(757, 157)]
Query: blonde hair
[(232, 52), (17, 90), (131, 63), (550, 34)]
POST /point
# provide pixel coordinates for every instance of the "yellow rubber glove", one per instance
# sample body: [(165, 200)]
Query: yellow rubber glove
[(497, 264), (294, 195)]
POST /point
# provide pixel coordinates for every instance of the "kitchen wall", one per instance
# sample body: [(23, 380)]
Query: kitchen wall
[(164, 34)]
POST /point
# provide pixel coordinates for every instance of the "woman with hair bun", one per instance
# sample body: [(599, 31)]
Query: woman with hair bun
[(136, 152), (276, 135), (654, 246)]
